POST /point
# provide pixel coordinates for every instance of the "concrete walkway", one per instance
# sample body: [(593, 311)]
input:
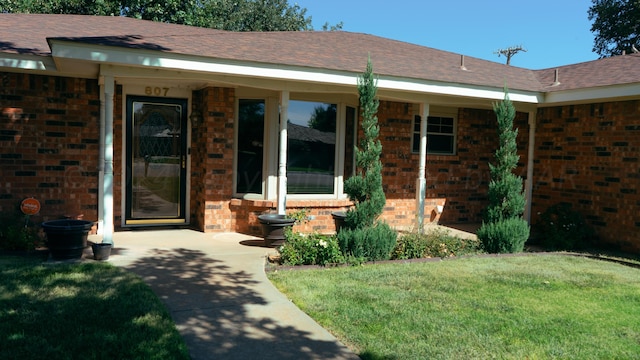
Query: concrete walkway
[(216, 290)]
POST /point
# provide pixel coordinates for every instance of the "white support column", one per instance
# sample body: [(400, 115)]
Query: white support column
[(421, 184), (107, 200), (282, 154), (101, 161), (528, 185)]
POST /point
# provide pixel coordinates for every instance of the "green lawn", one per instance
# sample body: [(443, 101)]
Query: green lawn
[(81, 311), (535, 307)]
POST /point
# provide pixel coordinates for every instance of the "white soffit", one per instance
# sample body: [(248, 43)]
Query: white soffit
[(609, 93), (27, 62), (154, 59)]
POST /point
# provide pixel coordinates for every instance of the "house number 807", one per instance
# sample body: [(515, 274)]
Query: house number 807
[(157, 91)]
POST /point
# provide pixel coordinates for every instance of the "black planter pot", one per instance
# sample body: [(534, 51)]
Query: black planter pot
[(66, 239), (273, 226), (101, 251), (338, 219)]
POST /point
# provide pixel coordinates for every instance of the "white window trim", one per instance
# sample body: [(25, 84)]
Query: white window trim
[(446, 114)]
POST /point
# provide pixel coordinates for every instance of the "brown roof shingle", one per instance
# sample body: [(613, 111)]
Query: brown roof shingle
[(325, 50)]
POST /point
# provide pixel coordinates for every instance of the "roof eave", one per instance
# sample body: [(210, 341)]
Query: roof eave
[(594, 94), (63, 49), (28, 62)]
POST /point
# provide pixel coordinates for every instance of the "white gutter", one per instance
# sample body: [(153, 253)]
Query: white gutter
[(282, 162), (189, 63), (421, 184), (528, 185), (107, 200)]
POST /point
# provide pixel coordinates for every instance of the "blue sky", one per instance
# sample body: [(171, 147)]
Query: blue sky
[(554, 32)]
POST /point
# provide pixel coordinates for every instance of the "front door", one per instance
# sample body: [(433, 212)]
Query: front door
[(156, 151)]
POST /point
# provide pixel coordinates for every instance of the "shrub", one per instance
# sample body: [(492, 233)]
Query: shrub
[(365, 188), (370, 243), (505, 236), (309, 249), (437, 243), (503, 229), (562, 228), (18, 233)]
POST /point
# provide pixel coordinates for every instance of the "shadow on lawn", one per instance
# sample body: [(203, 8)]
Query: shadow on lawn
[(218, 310)]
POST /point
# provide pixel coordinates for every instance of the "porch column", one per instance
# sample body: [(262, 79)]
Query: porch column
[(101, 162), (421, 184), (282, 154), (528, 185), (107, 199)]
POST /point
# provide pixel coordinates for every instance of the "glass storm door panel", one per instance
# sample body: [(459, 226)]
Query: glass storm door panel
[(156, 161)]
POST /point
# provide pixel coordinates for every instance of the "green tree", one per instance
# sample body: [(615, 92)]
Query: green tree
[(616, 25), (324, 118), (363, 236), (365, 189), (503, 229), (232, 15)]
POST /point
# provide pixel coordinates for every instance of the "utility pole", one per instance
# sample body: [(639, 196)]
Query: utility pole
[(509, 52)]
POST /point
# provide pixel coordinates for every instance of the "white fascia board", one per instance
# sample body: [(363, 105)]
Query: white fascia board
[(27, 62), (589, 95), (462, 90), (162, 60)]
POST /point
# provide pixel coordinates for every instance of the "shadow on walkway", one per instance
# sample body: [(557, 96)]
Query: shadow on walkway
[(226, 312)]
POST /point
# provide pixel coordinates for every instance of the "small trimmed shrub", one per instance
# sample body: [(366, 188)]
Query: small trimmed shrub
[(370, 243), (309, 249), (436, 243), (562, 228), (18, 233), (505, 236)]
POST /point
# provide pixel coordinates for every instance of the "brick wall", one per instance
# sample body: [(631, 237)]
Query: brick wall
[(49, 144), (212, 161), (459, 183), (589, 156)]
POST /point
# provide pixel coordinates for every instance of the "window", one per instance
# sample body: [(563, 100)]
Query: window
[(441, 137), (350, 139), (250, 146), (311, 149)]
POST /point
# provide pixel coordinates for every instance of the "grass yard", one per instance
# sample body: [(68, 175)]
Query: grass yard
[(81, 311), (535, 307)]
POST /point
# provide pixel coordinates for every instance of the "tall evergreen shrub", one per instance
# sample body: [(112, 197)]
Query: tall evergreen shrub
[(365, 189), (363, 235), (504, 229)]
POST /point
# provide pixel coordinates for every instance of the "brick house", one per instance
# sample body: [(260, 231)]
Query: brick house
[(139, 124)]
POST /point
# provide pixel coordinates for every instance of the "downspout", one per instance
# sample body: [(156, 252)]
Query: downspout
[(107, 204), (421, 184), (282, 162), (528, 185), (101, 161)]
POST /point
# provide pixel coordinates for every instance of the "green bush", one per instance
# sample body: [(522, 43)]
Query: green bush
[(18, 233), (436, 243), (505, 236), (370, 243), (562, 228), (309, 249)]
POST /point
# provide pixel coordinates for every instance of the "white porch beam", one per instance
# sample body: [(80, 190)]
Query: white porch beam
[(282, 153), (107, 199), (101, 160), (421, 184)]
